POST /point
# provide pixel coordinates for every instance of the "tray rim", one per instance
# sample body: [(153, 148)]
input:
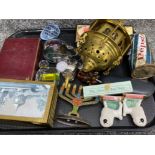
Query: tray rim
[(76, 131)]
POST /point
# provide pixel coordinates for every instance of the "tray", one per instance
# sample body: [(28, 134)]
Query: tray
[(89, 113)]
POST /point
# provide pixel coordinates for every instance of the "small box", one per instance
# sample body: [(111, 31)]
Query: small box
[(28, 101), (19, 58), (80, 29)]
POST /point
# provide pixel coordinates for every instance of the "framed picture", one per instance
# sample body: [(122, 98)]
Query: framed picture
[(28, 101)]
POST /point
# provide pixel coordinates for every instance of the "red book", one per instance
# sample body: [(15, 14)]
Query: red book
[(19, 57)]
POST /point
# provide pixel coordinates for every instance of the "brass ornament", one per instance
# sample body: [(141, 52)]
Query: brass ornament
[(73, 95), (103, 47)]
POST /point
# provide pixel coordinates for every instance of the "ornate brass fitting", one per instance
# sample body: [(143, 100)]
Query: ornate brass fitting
[(103, 47)]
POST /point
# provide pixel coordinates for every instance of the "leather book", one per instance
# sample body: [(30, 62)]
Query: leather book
[(19, 58)]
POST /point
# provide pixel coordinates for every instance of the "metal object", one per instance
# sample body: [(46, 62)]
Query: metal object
[(80, 29), (103, 47), (77, 101), (72, 121), (69, 76), (141, 59), (130, 30)]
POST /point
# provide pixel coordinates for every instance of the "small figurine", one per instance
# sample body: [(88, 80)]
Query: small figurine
[(132, 106), (112, 109), (117, 107)]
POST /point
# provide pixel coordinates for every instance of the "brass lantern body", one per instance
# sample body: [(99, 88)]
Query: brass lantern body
[(103, 47)]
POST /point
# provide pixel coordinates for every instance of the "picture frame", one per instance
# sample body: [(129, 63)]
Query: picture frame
[(28, 101)]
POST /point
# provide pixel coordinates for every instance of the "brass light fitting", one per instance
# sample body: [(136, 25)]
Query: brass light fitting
[(103, 47)]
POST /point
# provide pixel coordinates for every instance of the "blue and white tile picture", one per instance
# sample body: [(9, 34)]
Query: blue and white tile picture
[(23, 99)]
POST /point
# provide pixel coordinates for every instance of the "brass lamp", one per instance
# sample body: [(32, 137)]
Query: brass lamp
[(103, 47)]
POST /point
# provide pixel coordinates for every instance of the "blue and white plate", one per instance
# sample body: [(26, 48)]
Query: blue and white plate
[(51, 31)]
